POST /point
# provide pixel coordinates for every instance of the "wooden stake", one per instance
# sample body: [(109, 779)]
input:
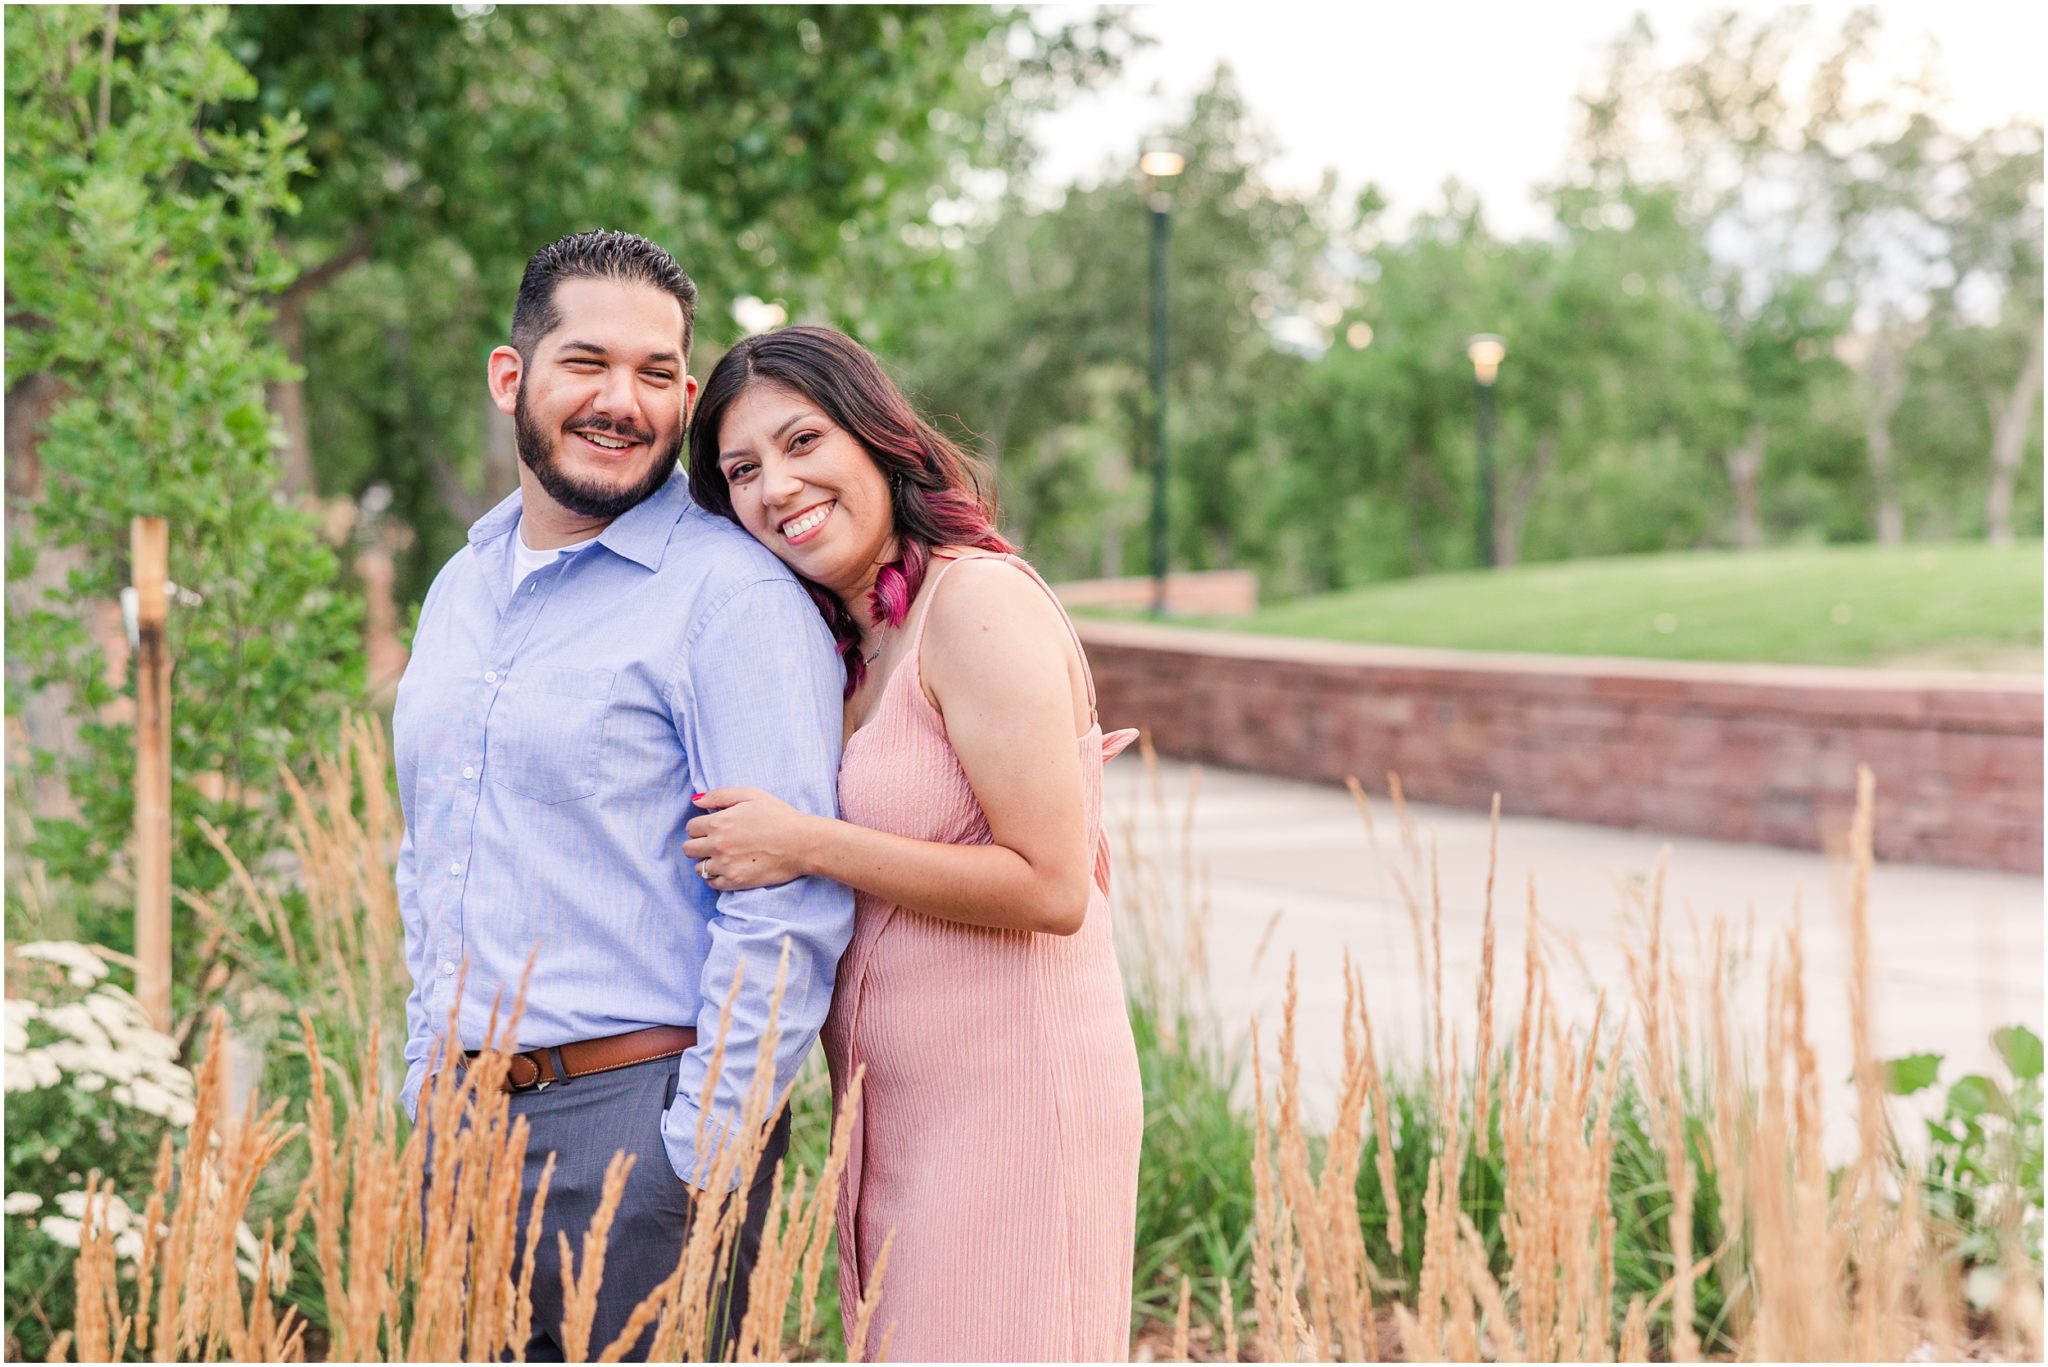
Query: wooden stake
[(150, 545)]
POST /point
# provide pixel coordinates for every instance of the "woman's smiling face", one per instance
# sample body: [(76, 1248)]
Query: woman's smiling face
[(805, 488)]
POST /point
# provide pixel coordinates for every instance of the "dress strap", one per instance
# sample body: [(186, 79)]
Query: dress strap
[(1087, 674), (931, 592)]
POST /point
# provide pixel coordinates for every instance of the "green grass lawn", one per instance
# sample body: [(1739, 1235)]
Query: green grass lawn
[(1958, 606)]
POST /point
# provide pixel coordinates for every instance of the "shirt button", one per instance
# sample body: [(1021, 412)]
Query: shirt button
[(469, 771), (531, 587), (447, 968), (490, 676), (456, 868)]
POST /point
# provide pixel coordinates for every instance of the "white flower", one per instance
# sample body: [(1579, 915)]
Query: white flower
[(61, 1228), (78, 961), (247, 1252), (127, 1024), (76, 1020), (154, 1045), (110, 1212), (21, 1203), (34, 1069), (119, 1014), (151, 1096), (73, 1057), (89, 1082), (146, 1041), (110, 1216), (249, 1258), (19, 1014)]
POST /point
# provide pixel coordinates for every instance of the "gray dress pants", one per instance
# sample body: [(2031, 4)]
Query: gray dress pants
[(584, 1121)]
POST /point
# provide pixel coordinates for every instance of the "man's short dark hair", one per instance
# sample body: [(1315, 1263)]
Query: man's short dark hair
[(600, 254)]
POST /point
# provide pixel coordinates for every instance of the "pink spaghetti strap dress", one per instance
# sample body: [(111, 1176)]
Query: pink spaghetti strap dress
[(1001, 1111)]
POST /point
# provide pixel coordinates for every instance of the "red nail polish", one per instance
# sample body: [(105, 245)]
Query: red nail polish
[(696, 797)]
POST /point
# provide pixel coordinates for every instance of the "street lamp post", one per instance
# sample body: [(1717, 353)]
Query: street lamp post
[(1486, 352), (1159, 167)]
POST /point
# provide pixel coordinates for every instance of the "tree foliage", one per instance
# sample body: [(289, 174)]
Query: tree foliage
[(1779, 299), (1038, 351), (140, 250), (1864, 247), (792, 154)]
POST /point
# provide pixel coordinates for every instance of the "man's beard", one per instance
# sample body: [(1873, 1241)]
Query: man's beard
[(538, 449)]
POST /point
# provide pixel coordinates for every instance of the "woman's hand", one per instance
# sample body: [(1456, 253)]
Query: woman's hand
[(748, 839)]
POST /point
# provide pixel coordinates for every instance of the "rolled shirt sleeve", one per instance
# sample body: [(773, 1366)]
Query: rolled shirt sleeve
[(757, 703)]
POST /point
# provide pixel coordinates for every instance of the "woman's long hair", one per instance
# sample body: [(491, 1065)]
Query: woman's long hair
[(938, 494)]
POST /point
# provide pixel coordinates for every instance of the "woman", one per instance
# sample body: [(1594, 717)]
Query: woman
[(997, 1150)]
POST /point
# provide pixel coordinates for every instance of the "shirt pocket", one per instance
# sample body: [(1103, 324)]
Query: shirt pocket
[(547, 732)]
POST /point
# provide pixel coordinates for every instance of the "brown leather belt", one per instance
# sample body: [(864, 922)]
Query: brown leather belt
[(538, 1068)]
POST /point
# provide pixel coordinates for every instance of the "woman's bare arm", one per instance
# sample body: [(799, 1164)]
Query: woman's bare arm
[(995, 660)]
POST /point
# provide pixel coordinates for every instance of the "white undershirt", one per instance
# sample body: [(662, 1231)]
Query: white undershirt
[(525, 559)]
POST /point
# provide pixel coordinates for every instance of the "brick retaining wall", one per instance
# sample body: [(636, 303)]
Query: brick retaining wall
[(1731, 752), (1189, 593)]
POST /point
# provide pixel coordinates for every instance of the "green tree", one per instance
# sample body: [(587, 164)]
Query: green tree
[(781, 151), (1614, 374), (1039, 350), (1850, 223), (140, 253), (1383, 484), (1995, 231), (1733, 138), (1873, 150)]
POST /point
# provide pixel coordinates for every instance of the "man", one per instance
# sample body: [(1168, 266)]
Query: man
[(599, 652)]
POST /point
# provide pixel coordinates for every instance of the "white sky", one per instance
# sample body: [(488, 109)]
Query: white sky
[(1409, 92)]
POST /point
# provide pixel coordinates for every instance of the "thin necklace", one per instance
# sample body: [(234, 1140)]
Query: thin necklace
[(876, 653)]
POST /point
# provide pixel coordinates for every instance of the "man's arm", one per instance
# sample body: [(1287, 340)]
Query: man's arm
[(419, 1031), (757, 702)]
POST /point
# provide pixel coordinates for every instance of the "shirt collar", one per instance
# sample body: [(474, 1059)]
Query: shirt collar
[(640, 534)]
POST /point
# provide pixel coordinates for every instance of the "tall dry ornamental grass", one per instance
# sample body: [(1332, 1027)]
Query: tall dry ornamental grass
[(408, 1251), (423, 1252), (332, 925), (1836, 1271)]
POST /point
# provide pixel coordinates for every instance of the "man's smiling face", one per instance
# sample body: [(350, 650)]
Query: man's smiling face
[(603, 399)]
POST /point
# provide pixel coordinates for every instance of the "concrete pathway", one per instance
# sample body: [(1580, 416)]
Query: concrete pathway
[(1956, 952)]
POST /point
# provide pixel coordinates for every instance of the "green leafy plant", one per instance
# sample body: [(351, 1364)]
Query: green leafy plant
[(1195, 1172), (1983, 1158), (140, 253)]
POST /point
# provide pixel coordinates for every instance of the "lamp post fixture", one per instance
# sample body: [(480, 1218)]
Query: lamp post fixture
[(1486, 352), (1159, 167)]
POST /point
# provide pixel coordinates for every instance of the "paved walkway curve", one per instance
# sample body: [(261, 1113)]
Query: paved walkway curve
[(1956, 952)]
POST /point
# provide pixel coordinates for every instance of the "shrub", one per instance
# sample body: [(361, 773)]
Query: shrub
[(92, 1092), (141, 248), (1982, 1173)]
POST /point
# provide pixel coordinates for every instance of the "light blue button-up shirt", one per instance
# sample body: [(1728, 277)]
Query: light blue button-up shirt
[(549, 737)]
